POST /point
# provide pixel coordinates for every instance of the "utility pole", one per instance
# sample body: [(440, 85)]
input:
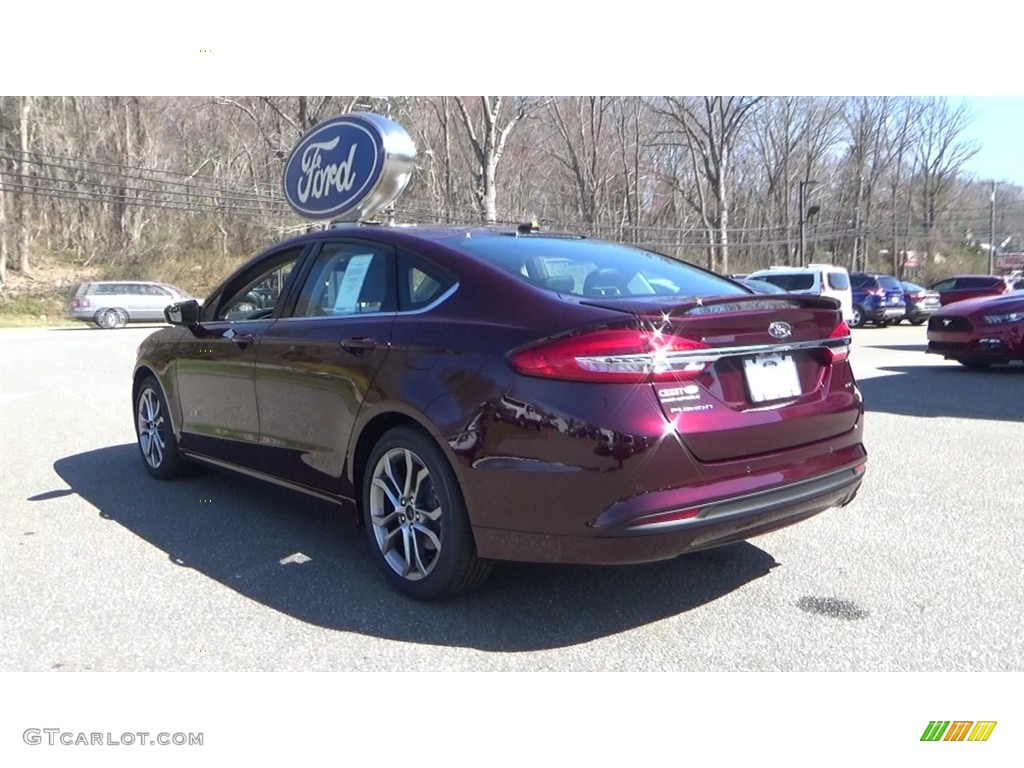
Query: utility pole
[(992, 230), (804, 215)]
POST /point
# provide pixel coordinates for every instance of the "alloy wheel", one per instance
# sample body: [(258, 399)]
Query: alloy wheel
[(151, 428), (406, 514)]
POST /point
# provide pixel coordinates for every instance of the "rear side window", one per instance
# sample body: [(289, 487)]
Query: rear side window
[(944, 285), (975, 282), (802, 281), (420, 282), (346, 279), (838, 281), (594, 268), (859, 281)]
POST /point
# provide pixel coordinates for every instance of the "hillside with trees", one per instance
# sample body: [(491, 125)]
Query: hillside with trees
[(181, 189)]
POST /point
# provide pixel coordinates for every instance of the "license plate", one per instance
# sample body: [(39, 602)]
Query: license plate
[(771, 377)]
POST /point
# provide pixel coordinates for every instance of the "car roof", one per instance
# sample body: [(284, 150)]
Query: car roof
[(126, 282)]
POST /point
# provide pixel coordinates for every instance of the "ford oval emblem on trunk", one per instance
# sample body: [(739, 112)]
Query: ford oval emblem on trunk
[(349, 168), (780, 330)]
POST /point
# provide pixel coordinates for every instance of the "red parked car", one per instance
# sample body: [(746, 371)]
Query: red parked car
[(954, 289), (980, 332), (503, 394)]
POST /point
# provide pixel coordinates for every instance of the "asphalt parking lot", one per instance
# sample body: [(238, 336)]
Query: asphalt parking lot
[(104, 568)]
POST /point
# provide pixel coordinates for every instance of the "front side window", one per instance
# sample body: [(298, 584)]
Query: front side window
[(347, 279), (254, 294)]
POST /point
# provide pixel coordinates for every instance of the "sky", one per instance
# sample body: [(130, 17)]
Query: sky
[(535, 47), (998, 127)]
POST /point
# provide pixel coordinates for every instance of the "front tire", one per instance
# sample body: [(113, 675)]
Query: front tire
[(858, 318), (109, 319), (416, 518), (156, 440)]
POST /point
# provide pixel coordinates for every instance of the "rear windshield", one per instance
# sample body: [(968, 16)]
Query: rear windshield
[(890, 283), (801, 281), (594, 268), (912, 287)]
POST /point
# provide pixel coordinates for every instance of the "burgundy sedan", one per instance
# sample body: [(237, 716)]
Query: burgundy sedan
[(980, 332), (481, 395)]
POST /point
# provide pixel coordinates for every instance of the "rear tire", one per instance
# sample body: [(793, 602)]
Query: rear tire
[(416, 519), (917, 322), (858, 318)]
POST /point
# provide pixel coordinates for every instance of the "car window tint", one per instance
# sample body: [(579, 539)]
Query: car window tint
[(598, 269), (912, 287), (890, 283), (944, 285), (256, 292), (859, 281), (346, 279), (420, 282)]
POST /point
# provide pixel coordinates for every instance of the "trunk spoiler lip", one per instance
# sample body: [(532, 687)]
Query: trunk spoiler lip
[(692, 306)]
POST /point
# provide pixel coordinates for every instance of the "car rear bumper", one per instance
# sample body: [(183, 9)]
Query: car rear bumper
[(663, 524), (720, 523), (886, 313)]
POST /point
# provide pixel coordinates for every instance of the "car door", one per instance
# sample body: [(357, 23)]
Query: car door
[(316, 366), (216, 363)]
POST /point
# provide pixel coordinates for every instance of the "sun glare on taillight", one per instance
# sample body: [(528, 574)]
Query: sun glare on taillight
[(626, 355), (842, 331)]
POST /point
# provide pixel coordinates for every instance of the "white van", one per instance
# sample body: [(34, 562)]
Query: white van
[(821, 279)]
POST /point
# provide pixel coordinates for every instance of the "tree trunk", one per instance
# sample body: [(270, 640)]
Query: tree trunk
[(23, 200)]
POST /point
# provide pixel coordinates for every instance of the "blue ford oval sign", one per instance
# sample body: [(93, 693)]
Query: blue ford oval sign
[(349, 168)]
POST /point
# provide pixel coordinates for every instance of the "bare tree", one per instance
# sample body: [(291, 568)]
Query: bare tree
[(939, 155), (488, 134), (710, 127)]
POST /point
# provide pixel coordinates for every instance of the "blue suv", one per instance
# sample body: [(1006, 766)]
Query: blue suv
[(877, 299)]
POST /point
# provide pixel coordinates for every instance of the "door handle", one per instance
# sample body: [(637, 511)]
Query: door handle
[(359, 344), (241, 339)]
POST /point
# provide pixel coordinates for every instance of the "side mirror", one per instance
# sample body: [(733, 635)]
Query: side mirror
[(183, 313)]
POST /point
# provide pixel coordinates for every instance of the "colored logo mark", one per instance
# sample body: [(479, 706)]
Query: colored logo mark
[(958, 730)]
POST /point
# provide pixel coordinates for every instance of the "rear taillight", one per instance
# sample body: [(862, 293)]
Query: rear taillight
[(80, 303), (876, 291), (628, 355), (840, 352)]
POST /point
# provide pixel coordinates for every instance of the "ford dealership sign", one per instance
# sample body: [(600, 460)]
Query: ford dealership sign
[(349, 168)]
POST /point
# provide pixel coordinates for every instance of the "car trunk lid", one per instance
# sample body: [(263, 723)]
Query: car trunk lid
[(771, 373)]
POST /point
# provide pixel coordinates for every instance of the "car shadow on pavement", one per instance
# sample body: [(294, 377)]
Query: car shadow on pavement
[(308, 559), (952, 391)]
